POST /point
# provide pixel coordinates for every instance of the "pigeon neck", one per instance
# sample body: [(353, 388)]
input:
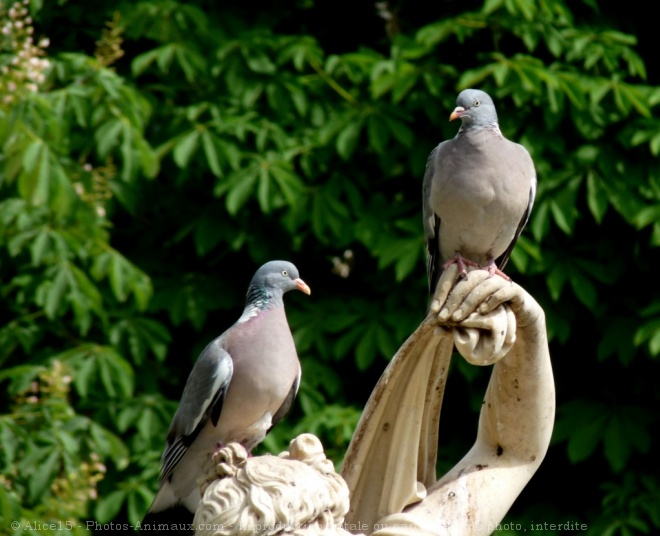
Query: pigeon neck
[(259, 299), (494, 126)]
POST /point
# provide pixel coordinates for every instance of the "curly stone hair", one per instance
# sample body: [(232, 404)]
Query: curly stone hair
[(297, 493)]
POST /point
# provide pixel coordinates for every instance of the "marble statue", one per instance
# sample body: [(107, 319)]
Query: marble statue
[(296, 493)]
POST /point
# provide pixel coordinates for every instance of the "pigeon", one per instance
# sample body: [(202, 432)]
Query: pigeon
[(241, 385), (478, 192)]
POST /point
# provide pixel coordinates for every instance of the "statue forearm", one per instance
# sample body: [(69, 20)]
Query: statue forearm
[(515, 423), (518, 411)]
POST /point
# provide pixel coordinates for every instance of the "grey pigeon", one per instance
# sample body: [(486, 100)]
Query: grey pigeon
[(477, 194), (241, 385)]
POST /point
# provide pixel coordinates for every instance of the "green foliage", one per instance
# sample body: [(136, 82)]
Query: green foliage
[(143, 179), (51, 454)]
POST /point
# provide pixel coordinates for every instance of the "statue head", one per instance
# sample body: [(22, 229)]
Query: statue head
[(296, 493)]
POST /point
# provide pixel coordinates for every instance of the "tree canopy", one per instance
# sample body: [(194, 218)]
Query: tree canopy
[(154, 153)]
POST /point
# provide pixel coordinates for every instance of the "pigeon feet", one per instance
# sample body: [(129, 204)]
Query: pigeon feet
[(493, 269), (461, 263)]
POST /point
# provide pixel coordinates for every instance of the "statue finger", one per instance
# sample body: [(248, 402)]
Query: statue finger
[(459, 292), (508, 293), (485, 339), (477, 296)]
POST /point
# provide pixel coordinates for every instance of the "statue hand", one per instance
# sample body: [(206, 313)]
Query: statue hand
[(478, 312)]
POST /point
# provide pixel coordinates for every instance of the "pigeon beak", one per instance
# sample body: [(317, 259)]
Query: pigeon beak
[(458, 112), (302, 286)]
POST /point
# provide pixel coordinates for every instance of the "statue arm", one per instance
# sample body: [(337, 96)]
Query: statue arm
[(515, 423)]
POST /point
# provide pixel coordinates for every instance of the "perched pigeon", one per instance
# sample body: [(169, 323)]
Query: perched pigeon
[(478, 192), (241, 385)]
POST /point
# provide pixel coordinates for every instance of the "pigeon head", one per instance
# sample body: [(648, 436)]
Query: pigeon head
[(474, 108), (278, 277)]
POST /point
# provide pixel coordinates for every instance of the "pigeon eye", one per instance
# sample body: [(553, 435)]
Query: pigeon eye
[(477, 103), (285, 273)]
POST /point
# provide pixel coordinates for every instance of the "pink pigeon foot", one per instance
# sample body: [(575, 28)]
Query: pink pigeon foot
[(493, 269), (461, 263)]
